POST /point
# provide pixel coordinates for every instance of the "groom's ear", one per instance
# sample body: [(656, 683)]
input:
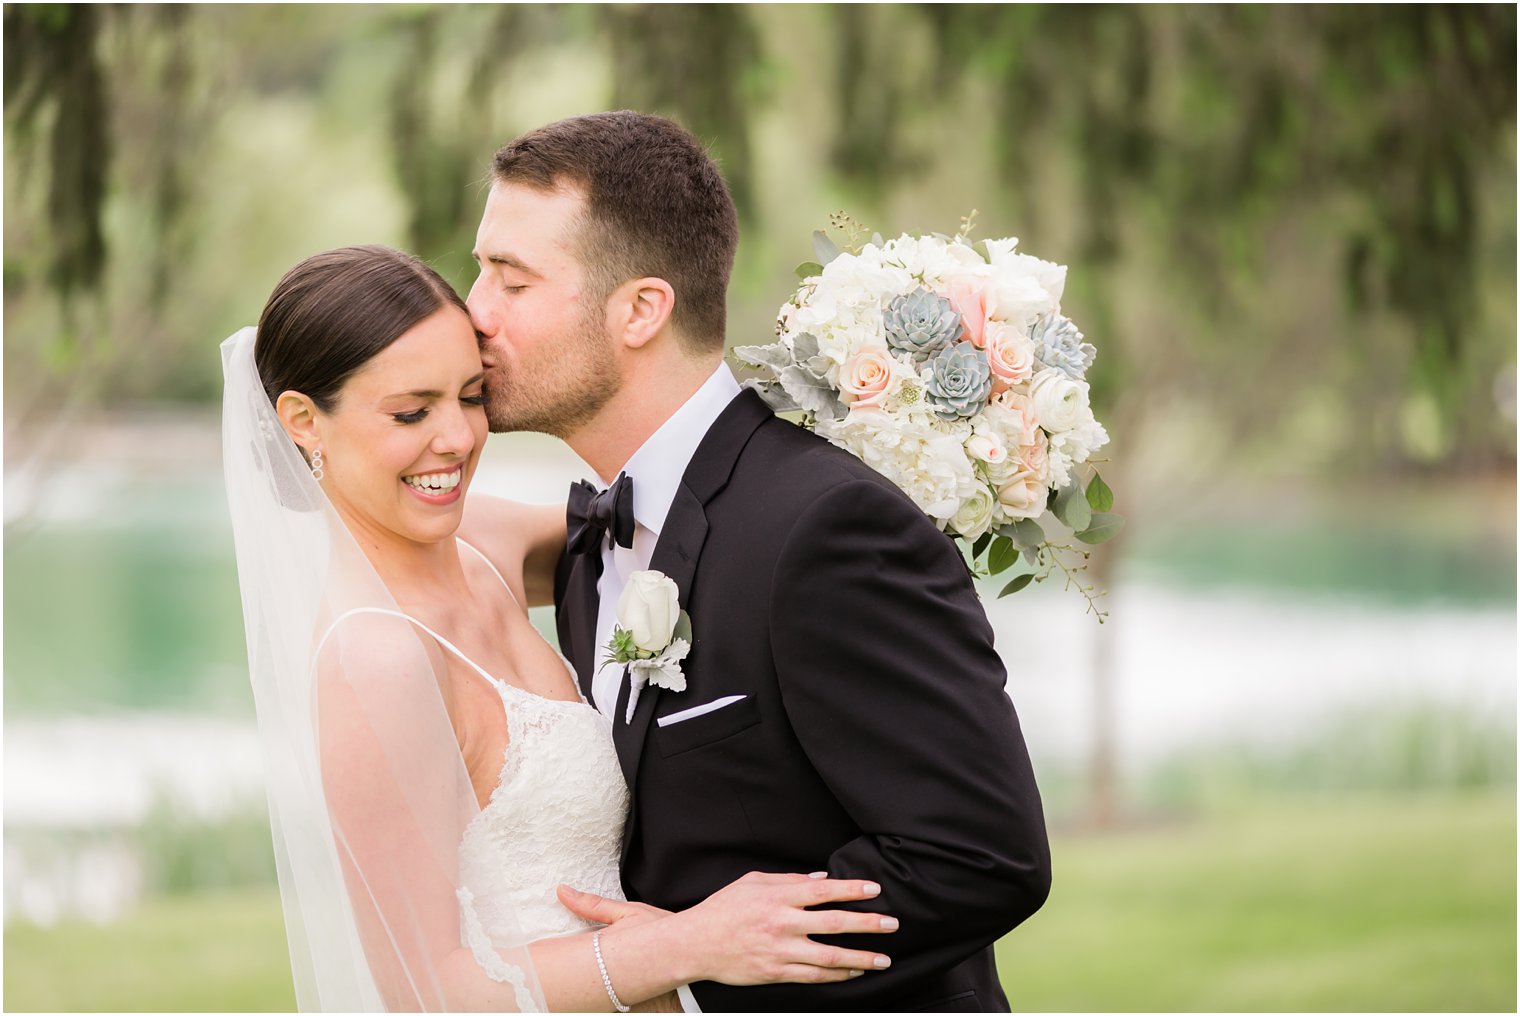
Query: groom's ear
[(299, 415), (642, 310)]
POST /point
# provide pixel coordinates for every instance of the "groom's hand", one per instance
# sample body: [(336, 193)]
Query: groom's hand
[(757, 930)]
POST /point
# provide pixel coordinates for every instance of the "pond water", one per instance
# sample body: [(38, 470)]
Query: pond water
[(125, 681)]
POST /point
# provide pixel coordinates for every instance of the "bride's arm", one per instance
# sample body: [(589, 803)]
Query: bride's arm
[(519, 539), (399, 801)]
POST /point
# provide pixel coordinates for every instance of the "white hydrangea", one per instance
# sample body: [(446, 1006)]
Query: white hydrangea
[(1073, 447), (930, 466)]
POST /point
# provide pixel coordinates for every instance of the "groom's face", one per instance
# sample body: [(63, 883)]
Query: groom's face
[(549, 362)]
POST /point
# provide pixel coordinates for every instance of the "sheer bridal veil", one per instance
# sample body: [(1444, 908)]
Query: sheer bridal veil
[(368, 793)]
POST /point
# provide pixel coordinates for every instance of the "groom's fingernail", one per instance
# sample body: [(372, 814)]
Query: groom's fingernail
[(818, 874), (889, 924), (856, 973), (883, 962), (871, 889)]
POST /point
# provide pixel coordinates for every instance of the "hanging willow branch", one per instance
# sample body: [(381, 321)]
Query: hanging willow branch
[(697, 63), (54, 83)]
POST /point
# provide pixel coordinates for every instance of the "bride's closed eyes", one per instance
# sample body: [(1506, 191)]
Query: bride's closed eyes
[(477, 398), (418, 415)]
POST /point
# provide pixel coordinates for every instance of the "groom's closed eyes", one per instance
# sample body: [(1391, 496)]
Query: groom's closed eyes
[(506, 261)]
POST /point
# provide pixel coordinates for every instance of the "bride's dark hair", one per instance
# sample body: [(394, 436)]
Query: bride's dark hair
[(334, 311)]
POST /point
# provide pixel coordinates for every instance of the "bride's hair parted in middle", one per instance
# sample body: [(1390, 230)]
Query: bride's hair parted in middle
[(333, 312)]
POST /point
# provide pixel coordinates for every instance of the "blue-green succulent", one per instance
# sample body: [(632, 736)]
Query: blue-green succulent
[(920, 324), (959, 379), (1058, 344)]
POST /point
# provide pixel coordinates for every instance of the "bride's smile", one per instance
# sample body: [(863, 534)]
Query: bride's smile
[(401, 443)]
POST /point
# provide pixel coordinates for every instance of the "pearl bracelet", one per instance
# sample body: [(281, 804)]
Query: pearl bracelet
[(601, 965)]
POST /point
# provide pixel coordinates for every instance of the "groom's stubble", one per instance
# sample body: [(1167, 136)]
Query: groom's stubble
[(560, 388)]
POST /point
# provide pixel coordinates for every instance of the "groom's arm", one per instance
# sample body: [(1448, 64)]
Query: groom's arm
[(890, 680)]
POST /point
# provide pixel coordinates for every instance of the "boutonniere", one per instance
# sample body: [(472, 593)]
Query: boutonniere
[(652, 635)]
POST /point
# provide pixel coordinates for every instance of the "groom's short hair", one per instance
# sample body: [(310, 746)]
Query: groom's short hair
[(656, 205)]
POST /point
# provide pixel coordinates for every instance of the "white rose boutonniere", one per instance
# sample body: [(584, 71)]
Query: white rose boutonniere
[(652, 635)]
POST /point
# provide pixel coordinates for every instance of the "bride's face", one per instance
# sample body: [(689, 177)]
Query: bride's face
[(403, 439)]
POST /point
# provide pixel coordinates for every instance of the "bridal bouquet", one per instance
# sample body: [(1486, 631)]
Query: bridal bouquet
[(949, 368)]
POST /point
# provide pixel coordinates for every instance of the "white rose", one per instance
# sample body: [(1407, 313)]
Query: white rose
[(975, 514), (1059, 402), (648, 609)]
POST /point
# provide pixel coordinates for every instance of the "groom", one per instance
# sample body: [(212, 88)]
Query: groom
[(844, 707)]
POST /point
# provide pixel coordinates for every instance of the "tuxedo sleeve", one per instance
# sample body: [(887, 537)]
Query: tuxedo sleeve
[(890, 680)]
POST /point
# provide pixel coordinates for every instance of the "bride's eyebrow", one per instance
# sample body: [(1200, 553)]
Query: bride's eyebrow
[(431, 393)]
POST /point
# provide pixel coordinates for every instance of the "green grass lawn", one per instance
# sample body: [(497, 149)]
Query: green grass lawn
[(1395, 903), (1391, 904)]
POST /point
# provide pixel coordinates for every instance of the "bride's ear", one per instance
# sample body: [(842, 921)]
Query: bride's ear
[(641, 309), (298, 414)]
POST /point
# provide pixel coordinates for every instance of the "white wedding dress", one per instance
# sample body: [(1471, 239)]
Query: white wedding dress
[(391, 869), (555, 816)]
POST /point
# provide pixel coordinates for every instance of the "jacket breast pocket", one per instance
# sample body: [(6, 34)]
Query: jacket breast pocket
[(707, 728)]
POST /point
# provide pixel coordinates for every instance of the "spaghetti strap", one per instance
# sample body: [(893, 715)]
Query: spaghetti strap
[(406, 617), (489, 565)]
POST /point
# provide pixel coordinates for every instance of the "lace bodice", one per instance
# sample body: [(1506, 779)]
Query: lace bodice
[(555, 816)]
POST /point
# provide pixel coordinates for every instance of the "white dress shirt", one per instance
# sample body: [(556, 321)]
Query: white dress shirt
[(656, 469)]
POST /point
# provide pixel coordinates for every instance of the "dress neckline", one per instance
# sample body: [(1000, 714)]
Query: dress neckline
[(501, 686)]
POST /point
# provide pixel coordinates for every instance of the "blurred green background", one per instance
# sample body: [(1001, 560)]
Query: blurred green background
[(1282, 776)]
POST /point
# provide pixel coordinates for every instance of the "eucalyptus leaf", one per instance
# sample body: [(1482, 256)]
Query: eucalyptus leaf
[(1072, 508), (808, 269), (1104, 526), (683, 628), (1025, 532), (1019, 582), (1003, 555), (824, 249), (1099, 496)]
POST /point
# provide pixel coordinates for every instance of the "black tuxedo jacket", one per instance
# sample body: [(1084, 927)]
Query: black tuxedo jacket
[(875, 739)]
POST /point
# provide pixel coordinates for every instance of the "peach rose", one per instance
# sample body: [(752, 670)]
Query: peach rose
[(974, 300), (1010, 354), (1017, 401), (1036, 457), (867, 377), (1023, 495), (985, 446)]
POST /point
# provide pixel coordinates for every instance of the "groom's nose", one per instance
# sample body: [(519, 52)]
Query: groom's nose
[(481, 315)]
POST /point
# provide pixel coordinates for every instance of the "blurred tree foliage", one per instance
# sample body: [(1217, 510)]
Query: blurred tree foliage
[(1302, 217)]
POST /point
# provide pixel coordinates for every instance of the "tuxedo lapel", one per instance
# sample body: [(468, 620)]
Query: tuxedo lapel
[(675, 554)]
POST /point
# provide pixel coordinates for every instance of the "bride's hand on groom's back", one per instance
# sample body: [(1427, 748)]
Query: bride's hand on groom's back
[(756, 930)]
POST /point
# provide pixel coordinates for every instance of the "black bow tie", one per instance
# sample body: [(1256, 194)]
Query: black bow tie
[(591, 515)]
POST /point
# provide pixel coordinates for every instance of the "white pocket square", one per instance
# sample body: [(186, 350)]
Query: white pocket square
[(701, 710)]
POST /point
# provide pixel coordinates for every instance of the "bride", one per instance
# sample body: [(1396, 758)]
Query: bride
[(436, 783)]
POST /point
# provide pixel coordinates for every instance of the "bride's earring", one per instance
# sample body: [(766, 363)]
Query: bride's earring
[(316, 465)]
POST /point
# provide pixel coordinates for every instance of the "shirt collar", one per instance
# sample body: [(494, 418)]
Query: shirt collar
[(661, 461)]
